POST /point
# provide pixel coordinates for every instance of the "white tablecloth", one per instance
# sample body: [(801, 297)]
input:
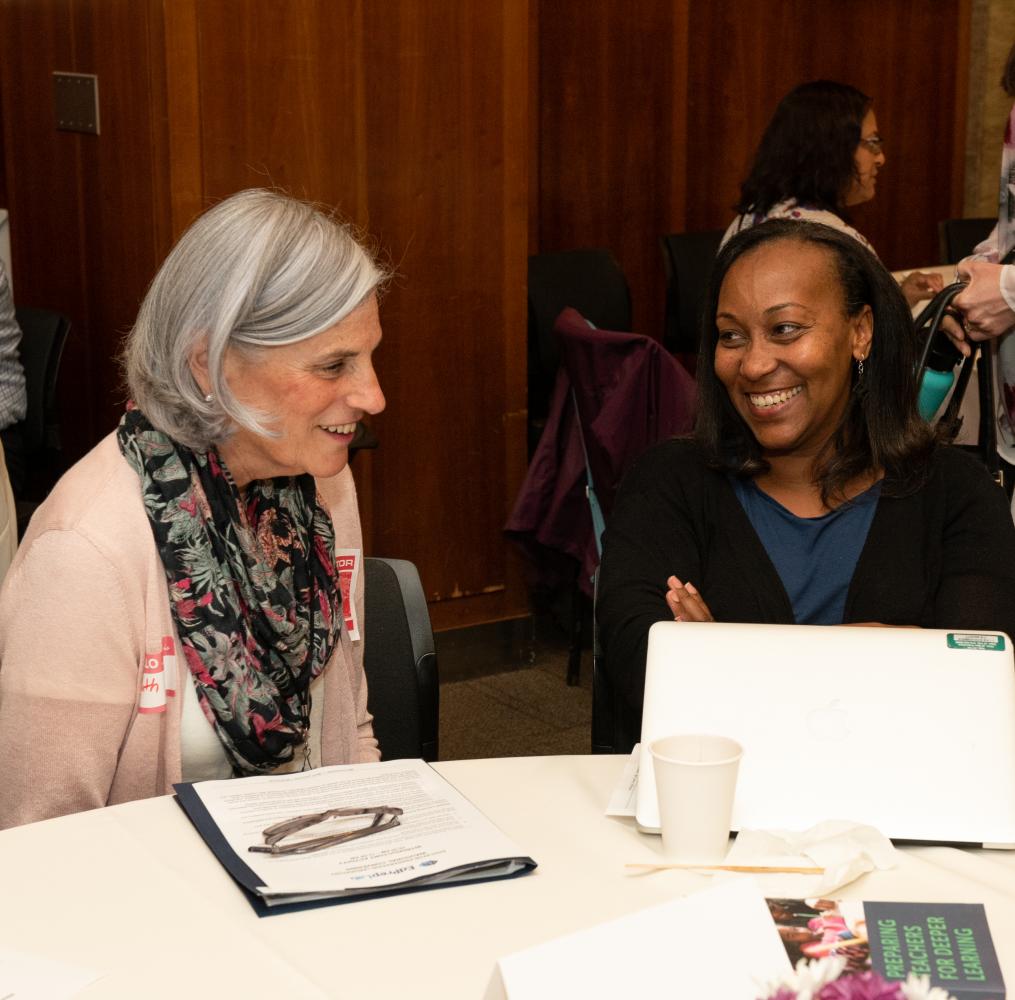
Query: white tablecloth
[(133, 892)]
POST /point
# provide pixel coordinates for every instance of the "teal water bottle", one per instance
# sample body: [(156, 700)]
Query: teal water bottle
[(938, 375)]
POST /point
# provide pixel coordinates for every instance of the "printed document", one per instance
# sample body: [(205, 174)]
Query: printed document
[(440, 836)]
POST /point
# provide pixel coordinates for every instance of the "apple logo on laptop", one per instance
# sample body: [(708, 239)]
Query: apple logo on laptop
[(829, 722)]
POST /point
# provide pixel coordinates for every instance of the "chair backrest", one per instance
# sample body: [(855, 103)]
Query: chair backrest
[(43, 335), (630, 393), (590, 281), (400, 661), (688, 259), (957, 237)]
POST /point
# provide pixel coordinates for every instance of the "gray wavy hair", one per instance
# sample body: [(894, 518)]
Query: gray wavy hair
[(258, 270)]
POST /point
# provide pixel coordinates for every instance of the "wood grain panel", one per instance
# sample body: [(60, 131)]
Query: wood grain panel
[(448, 155), (281, 100), (125, 230), (358, 105), (182, 101), (766, 49), (649, 120), (612, 102), (85, 228), (44, 194)]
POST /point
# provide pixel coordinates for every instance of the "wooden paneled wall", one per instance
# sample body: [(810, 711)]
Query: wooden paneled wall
[(406, 117), (462, 134), (88, 226), (649, 117), (612, 117)]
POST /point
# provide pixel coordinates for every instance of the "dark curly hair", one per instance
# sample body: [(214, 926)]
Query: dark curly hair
[(881, 427), (807, 151)]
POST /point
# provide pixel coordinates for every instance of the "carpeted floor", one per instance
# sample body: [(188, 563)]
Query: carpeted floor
[(519, 705)]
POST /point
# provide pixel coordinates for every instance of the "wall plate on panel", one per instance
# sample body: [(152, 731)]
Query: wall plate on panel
[(76, 102)]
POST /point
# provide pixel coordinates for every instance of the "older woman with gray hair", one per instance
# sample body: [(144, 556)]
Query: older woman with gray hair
[(176, 609)]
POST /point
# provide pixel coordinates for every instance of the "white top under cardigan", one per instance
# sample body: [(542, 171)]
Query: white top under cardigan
[(202, 756)]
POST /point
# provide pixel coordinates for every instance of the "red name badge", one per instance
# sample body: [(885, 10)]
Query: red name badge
[(158, 678), (348, 562)]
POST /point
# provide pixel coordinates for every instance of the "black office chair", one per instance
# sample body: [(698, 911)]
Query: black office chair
[(400, 661), (43, 335), (590, 281), (688, 259), (958, 237)]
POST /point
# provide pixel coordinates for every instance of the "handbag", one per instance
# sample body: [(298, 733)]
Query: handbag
[(938, 359)]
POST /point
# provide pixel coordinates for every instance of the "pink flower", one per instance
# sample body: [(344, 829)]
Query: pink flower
[(196, 666), (861, 986), (262, 726), (185, 607)]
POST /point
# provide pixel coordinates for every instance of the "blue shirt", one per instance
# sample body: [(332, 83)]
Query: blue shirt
[(815, 557)]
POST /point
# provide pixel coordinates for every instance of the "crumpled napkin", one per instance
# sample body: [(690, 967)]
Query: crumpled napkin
[(845, 849)]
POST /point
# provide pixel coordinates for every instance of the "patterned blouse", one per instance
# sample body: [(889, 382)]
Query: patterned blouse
[(789, 209)]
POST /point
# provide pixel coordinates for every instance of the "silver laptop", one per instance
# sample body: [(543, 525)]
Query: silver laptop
[(909, 730)]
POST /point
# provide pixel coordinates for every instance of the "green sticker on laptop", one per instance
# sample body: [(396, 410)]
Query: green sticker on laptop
[(976, 640)]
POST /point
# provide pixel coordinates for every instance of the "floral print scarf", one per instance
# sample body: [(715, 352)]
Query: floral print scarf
[(253, 589)]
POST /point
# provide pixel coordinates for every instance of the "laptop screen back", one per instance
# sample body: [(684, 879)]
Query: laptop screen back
[(909, 730)]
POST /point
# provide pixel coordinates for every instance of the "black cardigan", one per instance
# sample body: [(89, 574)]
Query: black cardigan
[(943, 557)]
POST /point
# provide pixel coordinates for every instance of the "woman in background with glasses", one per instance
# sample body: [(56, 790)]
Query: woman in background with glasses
[(820, 155)]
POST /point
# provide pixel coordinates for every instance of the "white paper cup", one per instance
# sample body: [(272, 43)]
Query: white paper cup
[(696, 777)]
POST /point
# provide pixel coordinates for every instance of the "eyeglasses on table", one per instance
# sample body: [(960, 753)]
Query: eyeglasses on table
[(353, 824)]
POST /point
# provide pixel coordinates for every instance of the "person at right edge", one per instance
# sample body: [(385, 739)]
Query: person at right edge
[(987, 304)]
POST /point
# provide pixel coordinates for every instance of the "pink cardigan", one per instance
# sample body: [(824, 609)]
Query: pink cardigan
[(83, 603)]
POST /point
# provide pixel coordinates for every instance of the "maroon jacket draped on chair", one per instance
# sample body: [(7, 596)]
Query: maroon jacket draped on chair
[(631, 393)]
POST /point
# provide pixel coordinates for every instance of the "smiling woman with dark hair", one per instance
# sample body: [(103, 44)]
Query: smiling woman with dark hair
[(811, 492)]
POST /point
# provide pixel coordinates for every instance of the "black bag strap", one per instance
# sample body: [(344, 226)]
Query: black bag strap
[(928, 325), (929, 320)]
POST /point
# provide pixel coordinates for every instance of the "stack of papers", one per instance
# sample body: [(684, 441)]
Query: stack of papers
[(440, 839)]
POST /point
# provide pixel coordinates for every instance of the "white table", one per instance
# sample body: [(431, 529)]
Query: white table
[(132, 891)]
